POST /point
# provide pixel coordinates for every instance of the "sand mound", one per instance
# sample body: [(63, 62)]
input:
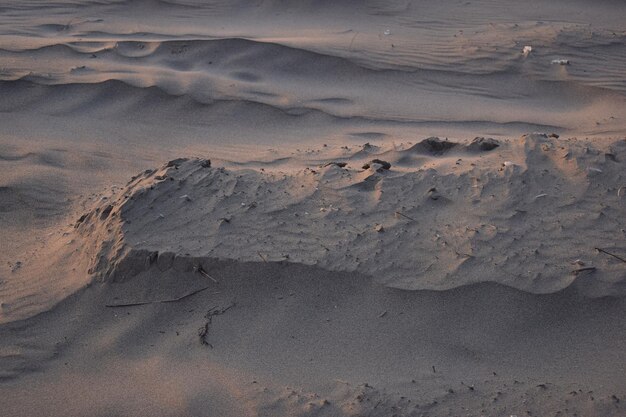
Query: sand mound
[(530, 215)]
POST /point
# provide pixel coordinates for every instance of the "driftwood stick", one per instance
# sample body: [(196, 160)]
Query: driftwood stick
[(204, 273), (405, 216), (173, 300), (611, 254), (262, 257), (579, 270)]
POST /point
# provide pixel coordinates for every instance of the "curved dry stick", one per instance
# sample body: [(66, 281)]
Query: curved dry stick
[(141, 303), (611, 254)]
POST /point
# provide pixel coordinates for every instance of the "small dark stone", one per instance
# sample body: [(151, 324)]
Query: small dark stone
[(339, 164), (433, 194), (368, 147), (383, 164), (175, 162), (434, 144), (205, 163)]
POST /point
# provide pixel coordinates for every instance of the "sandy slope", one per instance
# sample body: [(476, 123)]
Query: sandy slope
[(302, 341), (462, 281), (303, 300)]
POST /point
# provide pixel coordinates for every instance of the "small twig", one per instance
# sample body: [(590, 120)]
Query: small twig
[(383, 314), (404, 215), (262, 257), (578, 271), (352, 41), (201, 271), (224, 310), (141, 303), (611, 254), (203, 332)]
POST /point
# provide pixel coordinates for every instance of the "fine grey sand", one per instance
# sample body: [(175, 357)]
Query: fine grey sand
[(298, 208)]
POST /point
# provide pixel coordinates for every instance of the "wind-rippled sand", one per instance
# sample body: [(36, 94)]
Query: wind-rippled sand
[(374, 208)]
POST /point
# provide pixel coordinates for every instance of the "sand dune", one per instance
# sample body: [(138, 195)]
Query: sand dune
[(296, 80), (537, 209), (395, 62), (350, 249)]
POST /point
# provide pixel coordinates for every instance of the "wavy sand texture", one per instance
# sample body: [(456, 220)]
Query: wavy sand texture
[(528, 214)]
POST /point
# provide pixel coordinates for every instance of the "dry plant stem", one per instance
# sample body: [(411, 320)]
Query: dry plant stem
[(203, 332), (140, 303), (204, 273), (405, 216), (578, 271), (611, 254)]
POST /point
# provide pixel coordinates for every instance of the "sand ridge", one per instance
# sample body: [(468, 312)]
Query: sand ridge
[(396, 63), (538, 209)]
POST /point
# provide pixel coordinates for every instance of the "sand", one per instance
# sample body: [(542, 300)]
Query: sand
[(312, 209)]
